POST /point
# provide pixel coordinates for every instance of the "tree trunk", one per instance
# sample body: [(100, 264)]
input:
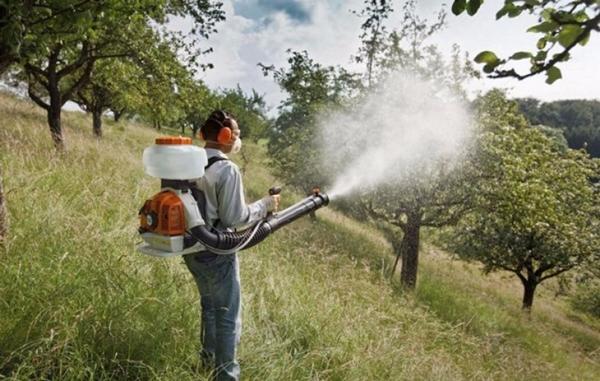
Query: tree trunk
[(54, 122), (5, 63), (97, 122), (410, 254), (3, 214), (117, 114), (398, 256), (528, 292)]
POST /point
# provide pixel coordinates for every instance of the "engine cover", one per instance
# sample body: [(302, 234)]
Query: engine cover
[(165, 218), (163, 214)]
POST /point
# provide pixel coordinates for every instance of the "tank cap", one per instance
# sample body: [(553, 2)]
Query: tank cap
[(174, 140)]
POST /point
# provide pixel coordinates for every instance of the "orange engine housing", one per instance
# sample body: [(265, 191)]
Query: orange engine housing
[(163, 214)]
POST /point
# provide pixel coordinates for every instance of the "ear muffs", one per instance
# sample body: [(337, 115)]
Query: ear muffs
[(224, 136), (222, 120)]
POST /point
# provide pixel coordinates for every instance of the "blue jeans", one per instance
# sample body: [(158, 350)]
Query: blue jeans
[(218, 281)]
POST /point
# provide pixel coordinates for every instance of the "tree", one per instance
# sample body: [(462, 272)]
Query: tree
[(58, 54), (311, 88), (578, 119), (249, 111), (430, 193), (316, 92), (197, 102), (3, 213), (375, 12), (109, 84), (562, 24), (434, 198), (535, 209), (19, 18)]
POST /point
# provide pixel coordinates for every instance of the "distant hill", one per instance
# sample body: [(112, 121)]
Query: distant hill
[(578, 119)]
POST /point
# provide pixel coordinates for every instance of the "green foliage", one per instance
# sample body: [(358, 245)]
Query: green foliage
[(312, 89), (578, 119), (587, 298), (433, 195), (533, 213), (29, 28), (57, 61), (471, 6), (249, 111), (373, 34), (315, 91), (563, 25)]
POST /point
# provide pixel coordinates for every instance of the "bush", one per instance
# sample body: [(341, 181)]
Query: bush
[(587, 298)]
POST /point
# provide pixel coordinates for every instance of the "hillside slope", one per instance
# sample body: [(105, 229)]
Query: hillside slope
[(77, 301)]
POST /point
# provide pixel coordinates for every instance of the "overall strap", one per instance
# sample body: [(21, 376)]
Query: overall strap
[(213, 160)]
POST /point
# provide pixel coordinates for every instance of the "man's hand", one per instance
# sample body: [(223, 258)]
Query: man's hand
[(272, 202), (274, 192)]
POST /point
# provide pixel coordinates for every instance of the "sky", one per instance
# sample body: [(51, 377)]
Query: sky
[(262, 30)]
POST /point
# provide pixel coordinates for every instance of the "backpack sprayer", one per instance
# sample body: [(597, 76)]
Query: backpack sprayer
[(172, 222)]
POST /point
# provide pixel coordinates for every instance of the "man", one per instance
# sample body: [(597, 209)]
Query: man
[(217, 276)]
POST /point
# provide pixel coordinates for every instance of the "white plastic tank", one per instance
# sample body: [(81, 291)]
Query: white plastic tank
[(174, 158)]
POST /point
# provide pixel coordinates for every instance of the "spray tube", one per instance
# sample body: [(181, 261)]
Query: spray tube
[(220, 242)]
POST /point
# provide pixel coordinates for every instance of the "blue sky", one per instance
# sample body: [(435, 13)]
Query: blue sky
[(262, 30)]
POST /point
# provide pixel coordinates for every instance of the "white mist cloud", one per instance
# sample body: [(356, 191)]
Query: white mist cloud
[(404, 124)]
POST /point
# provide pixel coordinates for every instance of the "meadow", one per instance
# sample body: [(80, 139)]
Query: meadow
[(78, 302)]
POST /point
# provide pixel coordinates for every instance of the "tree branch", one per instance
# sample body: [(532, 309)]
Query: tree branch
[(39, 75), (36, 98), (85, 102), (558, 272), (81, 60), (592, 24), (85, 77), (543, 269)]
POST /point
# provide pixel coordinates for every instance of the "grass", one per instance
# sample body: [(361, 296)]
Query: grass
[(78, 302)]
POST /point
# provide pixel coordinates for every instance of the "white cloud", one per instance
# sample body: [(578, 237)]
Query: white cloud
[(331, 37)]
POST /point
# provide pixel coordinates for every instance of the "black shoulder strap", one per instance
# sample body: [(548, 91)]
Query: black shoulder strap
[(213, 160)]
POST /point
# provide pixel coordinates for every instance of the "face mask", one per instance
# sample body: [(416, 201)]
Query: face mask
[(237, 146)]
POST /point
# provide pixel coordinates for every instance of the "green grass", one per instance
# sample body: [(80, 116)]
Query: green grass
[(78, 302)]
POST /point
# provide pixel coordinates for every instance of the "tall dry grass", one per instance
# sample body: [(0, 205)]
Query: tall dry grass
[(78, 302)]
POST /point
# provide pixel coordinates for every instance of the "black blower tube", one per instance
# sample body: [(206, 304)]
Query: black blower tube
[(222, 240)]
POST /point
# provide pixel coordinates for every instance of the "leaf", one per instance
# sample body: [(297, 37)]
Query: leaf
[(585, 40), (521, 55), (487, 57), (541, 55), (514, 11), (508, 8), (458, 6), (473, 6), (553, 74), (541, 44), (545, 27), (548, 13), (489, 68), (568, 34)]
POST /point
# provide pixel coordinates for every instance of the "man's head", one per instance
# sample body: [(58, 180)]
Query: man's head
[(221, 131)]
